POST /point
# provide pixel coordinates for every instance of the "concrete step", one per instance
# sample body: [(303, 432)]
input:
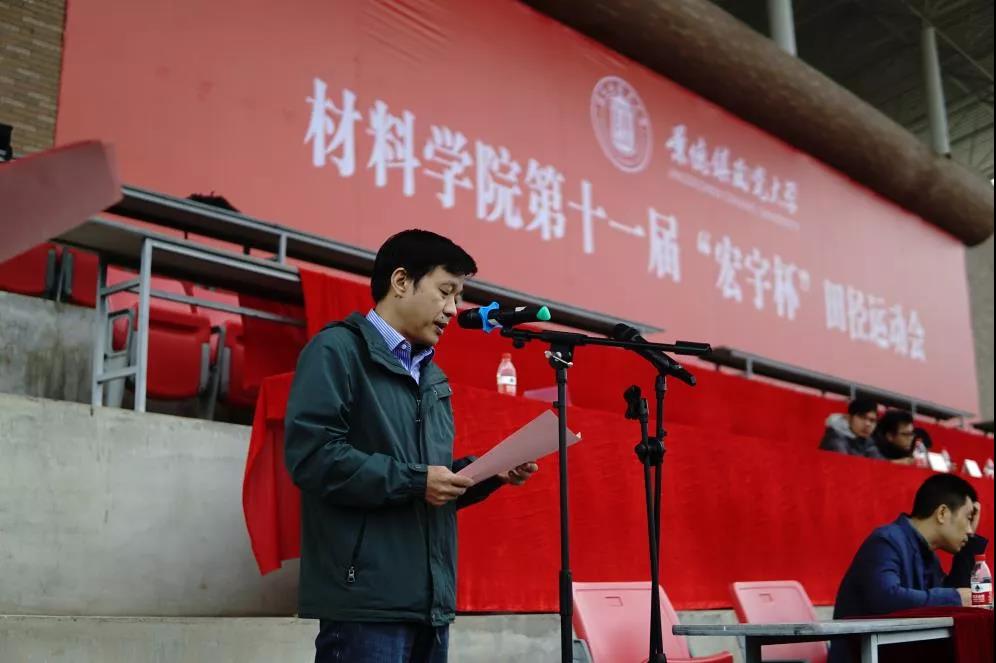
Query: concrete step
[(519, 638), (47, 639)]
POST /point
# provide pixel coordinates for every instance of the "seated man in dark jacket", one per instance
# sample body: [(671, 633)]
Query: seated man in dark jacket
[(851, 433), (896, 568), (922, 437), (894, 436), (369, 441)]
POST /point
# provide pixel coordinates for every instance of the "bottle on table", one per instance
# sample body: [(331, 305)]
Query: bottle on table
[(982, 584), (506, 375), (987, 471), (920, 455)]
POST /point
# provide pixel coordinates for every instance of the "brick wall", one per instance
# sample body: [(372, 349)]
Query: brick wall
[(30, 64)]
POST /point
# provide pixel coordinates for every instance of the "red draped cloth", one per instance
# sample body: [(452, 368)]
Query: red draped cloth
[(328, 298), (747, 496), (270, 500), (271, 348), (735, 508)]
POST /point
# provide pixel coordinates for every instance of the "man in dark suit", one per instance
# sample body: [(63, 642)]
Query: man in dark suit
[(896, 567)]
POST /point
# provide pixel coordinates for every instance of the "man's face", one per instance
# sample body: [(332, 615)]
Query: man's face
[(955, 526), (426, 307), (902, 438), (862, 425)]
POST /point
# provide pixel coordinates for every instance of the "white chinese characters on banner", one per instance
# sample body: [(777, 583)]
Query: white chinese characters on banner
[(531, 198), (758, 266), (661, 232), (835, 299), (446, 158), (665, 254), (589, 212), (546, 202), (331, 129), (754, 180), (740, 175), (498, 186), (677, 143), (393, 146), (730, 260), (916, 336), (866, 318), (857, 315), (698, 157), (786, 294), (783, 280), (720, 165), (878, 329)]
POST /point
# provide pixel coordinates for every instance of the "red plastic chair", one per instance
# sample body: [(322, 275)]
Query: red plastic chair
[(613, 618), (233, 360), (774, 602), (79, 277), (179, 352), (32, 272)]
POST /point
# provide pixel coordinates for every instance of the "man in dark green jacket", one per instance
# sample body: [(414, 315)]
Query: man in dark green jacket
[(369, 441)]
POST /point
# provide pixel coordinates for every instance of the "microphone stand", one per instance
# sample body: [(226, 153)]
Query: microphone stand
[(650, 452), (561, 357)]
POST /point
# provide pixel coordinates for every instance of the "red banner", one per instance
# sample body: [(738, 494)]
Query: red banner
[(568, 171)]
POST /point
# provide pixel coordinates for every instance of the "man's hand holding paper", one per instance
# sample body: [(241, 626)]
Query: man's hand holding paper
[(518, 475), (513, 459)]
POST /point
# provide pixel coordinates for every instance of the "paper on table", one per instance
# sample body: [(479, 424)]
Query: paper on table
[(972, 468), (536, 439), (937, 462)]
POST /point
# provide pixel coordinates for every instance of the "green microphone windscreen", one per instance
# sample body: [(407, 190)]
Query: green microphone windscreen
[(543, 314)]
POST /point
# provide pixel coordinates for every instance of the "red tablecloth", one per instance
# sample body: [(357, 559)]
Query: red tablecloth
[(971, 641)]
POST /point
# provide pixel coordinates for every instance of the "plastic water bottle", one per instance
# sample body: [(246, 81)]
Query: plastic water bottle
[(982, 584), (987, 471), (506, 375), (920, 455), (947, 460)]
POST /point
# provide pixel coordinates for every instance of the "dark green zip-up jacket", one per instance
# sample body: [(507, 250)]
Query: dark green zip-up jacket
[(360, 434)]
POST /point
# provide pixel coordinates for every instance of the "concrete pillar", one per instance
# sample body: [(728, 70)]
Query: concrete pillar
[(782, 24), (936, 112)]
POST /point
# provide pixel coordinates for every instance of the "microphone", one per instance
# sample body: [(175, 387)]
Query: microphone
[(492, 316), (661, 361)]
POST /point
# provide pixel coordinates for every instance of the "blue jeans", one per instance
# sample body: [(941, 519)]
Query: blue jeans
[(380, 642)]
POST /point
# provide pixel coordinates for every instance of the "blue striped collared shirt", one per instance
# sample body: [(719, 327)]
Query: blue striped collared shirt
[(400, 347)]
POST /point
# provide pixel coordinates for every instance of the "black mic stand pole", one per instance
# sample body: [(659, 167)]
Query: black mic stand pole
[(561, 357), (650, 452)]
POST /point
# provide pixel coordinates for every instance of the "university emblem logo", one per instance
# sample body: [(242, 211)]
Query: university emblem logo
[(621, 124)]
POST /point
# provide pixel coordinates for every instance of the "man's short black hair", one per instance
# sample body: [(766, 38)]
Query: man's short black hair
[(891, 421), (861, 406), (923, 436), (6, 151), (418, 252), (942, 489)]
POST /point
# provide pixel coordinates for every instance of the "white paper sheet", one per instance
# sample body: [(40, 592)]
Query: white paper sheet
[(937, 462), (536, 439), (972, 468)]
